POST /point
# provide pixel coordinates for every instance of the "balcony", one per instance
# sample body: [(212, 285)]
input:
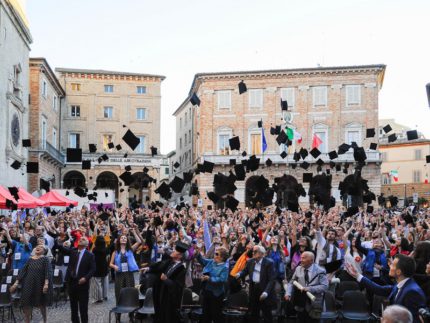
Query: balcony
[(50, 152), (372, 156)]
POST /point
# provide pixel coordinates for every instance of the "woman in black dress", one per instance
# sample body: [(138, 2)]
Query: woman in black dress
[(36, 281), (100, 282)]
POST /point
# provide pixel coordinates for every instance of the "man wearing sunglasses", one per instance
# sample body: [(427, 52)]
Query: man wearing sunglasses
[(261, 288)]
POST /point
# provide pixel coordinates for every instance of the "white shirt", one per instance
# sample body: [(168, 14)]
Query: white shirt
[(256, 273), (321, 254), (400, 286)]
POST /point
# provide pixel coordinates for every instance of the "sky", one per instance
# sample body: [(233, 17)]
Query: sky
[(179, 38)]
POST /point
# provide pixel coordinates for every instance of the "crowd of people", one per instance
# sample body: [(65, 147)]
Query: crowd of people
[(285, 261)]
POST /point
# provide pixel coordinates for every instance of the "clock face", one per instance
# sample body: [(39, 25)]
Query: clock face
[(15, 130)]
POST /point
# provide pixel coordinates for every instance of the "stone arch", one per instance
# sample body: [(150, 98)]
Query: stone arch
[(73, 179)]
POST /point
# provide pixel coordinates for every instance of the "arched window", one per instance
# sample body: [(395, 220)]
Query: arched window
[(321, 130), (223, 136), (353, 133)]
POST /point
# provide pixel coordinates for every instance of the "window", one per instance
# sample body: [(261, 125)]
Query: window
[(321, 131), (107, 139), (166, 171), (54, 102), (44, 88), (75, 111), (76, 87), (189, 136), (180, 123), (223, 136), (287, 94), (140, 89), (189, 156), (180, 143), (352, 94), (417, 176), (108, 88), (417, 154), (386, 179), (54, 137), (141, 148), (185, 119), (353, 134), (44, 133), (185, 140), (108, 112), (189, 112), (256, 98), (141, 113), (74, 140), (319, 96), (224, 100)]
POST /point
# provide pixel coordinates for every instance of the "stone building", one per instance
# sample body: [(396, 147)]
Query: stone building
[(15, 40), (100, 107), (47, 97), (337, 104)]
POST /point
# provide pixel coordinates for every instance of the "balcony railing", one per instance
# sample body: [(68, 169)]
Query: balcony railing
[(52, 152)]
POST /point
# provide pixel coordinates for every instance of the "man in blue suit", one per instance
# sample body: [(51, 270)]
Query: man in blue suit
[(405, 292)]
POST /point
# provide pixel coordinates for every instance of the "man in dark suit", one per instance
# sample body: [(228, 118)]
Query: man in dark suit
[(82, 266), (405, 292), (261, 289)]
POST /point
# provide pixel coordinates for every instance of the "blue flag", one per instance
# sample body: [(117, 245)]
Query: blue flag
[(263, 139), (23, 216)]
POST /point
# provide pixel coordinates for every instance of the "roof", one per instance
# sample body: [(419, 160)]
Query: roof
[(50, 73), (105, 72), (404, 142)]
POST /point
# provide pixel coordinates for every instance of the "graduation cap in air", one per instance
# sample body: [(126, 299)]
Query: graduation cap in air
[(428, 159), (106, 194), (359, 154), (26, 142), (272, 131), (293, 206), (177, 184), (373, 146), (369, 209), (283, 154), (353, 210), (127, 168), (111, 145), (239, 170), (244, 153), (208, 166), (242, 87), (127, 178), (74, 155), (392, 138), (232, 162), (188, 177), (296, 156), (145, 170), (331, 267), (303, 153), (387, 128), (320, 162), (121, 190), (234, 143), (213, 197), (332, 155), (79, 191), (307, 177), (343, 148), (370, 132), (338, 167), (86, 164), (163, 190), (315, 152), (412, 134), (195, 100), (92, 148), (181, 247), (253, 163), (282, 138), (269, 162), (67, 193), (231, 203), (104, 157), (104, 216), (260, 123), (305, 165), (118, 147), (16, 164), (125, 155), (293, 166), (131, 140), (32, 167), (153, 151), (332, 164), (284, 105), (176, 164)]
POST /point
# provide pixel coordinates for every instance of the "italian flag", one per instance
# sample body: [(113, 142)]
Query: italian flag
[(395, 175), (297, 136), (293, 135)]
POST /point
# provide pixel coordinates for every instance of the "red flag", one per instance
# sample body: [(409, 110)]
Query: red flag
[(316, 141)]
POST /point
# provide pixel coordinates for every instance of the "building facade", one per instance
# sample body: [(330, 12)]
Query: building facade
[(404, 169), (15, 40), (337, 104), (47, 97), (100, 107)]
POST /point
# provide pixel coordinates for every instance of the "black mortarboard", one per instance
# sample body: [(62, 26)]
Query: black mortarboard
[(176, 165), (293, 166), (32, 167), (131, 140), (320, 162), (188, 177), (239, 170), (177, 184), (67, 193), (213, 197), (387, 128), (104, 216), (283, 154), (331, 267), (16, 164), (332, 164), (303, 152), (231, 203), (373, 146), (345, 170), (125, 155), (234, 143), (272, 131), (208, 166), (369, 209), (242, 87), (307, 177), (86, 164), (304, 165), (327, 171), (118, 147), (127, 168), (243, 153), (181, 247), (343, 148), (315, 152), (153, 151), (338, 167), (284, 105), (293, 206), (232, 162), (260, 123), (359, 154), (353, 210), (111, 145), (332, 154), (296, 156), (163, 190), (127, 178), (104, 157), (392, 138), (79, 191), (26, 142), (195, 99), (253, 163), (106, 194), (269, 162), (428, 159), (92, 148), (74, 155), (282, 138), (277, 130), (145, 169), (370, 133), (412, 134)]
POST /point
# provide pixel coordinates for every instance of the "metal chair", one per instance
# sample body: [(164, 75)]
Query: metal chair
[(148, 304), (345, 286), (378, 302), (128, 302), (6, 302), (236, 305), (354, 306), (330, 313)]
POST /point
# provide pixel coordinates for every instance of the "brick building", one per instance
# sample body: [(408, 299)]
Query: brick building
[(336, 103), (100, 107), (47, 97)]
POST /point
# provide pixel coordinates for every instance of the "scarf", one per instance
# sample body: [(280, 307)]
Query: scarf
[(240, 264)]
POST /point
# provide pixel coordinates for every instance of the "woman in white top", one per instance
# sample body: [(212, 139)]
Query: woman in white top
[(353, 256)]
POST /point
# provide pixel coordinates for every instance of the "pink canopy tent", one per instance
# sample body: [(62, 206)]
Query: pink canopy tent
[(21, 203), (24, 195), (54, 198)]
